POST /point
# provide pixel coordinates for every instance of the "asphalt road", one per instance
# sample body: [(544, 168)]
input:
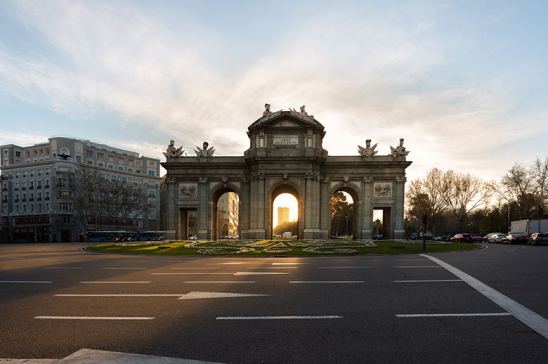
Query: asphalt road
[(338, 310)]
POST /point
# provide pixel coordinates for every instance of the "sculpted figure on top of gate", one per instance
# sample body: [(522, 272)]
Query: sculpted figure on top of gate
[(369, 151), (205, 152), (399, 151), (172, 152)]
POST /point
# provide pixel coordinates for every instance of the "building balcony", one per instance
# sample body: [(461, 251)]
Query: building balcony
[(31, 200), (46, 199), (39, 199), (23, 188)]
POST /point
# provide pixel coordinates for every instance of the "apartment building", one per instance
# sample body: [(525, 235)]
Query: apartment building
[(37, 193)]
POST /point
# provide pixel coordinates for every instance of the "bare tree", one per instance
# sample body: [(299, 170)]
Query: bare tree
[(463, 193), (539, 176)]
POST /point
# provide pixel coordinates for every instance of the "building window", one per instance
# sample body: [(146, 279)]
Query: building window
[(120, 168), (17, 153), (151, 173), (89, 154), (110, 166), (152, 194)]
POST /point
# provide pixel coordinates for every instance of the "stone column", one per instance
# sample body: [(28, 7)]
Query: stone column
[(399, 231), (261, 203), (367, 207), (244, 208), (203, 210), (312, 207), (325, 209), (172, 223)]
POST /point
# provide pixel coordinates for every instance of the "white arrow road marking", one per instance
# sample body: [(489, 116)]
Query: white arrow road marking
[(522, 313), (182, 296), (119, 295), (325, 317), (199, 295), (91, 318), (258, 273)]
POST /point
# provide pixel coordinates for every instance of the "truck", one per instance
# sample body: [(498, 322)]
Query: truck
[(529, 226)]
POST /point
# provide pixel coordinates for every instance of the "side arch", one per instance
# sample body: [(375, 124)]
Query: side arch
[(215, 194), (355, 192)]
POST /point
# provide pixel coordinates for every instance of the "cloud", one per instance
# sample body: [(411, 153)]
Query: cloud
[(363, 78)]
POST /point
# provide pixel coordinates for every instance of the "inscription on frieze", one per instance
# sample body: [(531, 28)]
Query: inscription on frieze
[(281, 139)]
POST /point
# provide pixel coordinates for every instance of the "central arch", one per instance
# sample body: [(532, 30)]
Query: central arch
[(292, 190)]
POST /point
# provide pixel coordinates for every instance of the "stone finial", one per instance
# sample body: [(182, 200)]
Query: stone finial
[(369, 151)]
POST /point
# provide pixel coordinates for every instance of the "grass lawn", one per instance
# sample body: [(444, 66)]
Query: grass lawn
[(278, 248)]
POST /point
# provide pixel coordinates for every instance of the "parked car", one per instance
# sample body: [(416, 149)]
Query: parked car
[(462, 238), (517, 238), (538, 239), (494, 238), (476, 238)]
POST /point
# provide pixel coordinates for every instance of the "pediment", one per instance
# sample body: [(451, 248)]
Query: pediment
[(286, 119), (286, 124)]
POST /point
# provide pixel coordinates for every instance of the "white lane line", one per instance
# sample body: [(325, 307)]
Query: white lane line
[(429, 280), (115, 282), (346, 267), (125, 268), (522, 313), (326, 282), (37, 282), (64, 267), (92, 318), (454, 314), (189, 273), (258, 273), (416, 266), (287, 263), (220, 282), (325, 317)]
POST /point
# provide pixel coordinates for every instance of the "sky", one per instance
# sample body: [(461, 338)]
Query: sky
[(464, 82)]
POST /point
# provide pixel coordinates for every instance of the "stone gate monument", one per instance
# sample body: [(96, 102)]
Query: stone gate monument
[(285, 155)]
